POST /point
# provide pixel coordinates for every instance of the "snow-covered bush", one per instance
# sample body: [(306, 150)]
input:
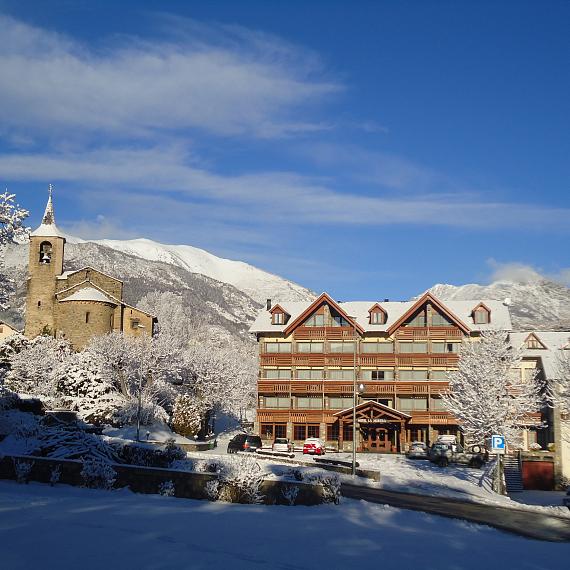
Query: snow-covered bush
[(22, 468), (71, 442), (289, 493), (330, 483), (213, 490), (240, 480), (98, 473), (8, 399), (187, 415), (535, 447), (55, 475), (167, 489)]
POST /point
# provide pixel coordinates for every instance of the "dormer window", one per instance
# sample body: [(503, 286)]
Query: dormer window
[(45, 252), (481, 315), (377, 315), (533, 342), (278, 316)]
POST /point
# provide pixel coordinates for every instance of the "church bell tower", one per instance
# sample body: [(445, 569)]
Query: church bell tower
[(45, 265)]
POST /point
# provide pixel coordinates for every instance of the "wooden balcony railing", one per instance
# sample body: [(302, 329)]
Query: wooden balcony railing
[(425, 333), (320, 333), (372, 388)]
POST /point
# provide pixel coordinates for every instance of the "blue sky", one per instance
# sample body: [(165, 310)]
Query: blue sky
[(370, 149)]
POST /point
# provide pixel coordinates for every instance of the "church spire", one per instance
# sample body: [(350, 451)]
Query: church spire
[(49, 216), (48, 228)]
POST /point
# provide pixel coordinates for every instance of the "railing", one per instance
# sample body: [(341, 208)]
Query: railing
[(320, 333), (347, 359), (336, 386), (425, 333)]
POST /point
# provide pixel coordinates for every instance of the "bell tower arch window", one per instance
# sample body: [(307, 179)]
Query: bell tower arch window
[(45, 252)]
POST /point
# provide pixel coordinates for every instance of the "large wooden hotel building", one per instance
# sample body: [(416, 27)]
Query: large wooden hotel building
[(399, 351)]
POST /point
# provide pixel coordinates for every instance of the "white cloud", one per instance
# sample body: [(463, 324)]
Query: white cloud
[(265, 197), (226, 81), (524, 273)]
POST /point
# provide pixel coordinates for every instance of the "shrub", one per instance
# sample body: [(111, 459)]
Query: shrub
[(22, 468), (239, 481), (98, 474), (167, 489), (290, 493), (330, 483)]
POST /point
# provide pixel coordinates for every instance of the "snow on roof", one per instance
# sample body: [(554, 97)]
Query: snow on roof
[(554, 341), (67, 274), (47, 230), (500, 316), (89, 294)]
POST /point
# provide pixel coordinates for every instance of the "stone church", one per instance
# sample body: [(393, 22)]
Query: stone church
[(75, 305)]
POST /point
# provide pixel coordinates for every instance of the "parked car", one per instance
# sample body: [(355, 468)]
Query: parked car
[(244, 442), (314, 446), (445, 453), (282, 444), (418, 450)]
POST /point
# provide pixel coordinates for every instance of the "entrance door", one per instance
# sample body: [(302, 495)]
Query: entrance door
[(376, 439)]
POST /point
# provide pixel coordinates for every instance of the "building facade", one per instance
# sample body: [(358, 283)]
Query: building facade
[(75, 305), (397, 354)]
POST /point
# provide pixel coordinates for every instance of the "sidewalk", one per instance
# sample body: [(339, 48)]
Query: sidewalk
[(540, 526)]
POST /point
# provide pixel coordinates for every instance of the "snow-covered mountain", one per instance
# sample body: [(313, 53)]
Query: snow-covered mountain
[(539, 304), (256, 283)]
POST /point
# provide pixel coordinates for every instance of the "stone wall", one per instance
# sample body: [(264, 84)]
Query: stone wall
[(109, 284), (80, 321), (147, 480)]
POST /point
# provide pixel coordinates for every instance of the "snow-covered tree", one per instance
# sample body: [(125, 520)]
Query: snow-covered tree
[(32, 368), (187, 415), (485, 395), (11, 220)]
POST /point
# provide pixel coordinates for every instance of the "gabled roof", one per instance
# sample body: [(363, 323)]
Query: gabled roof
[(428, 297), (374, 406), (89, 294), (553, 341), (375, 307), (482, 305), (535, 337), (281, 309), (67, 274), (322, 298), (395, 309)]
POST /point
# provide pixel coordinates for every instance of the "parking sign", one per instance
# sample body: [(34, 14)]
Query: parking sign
[(498, 444)]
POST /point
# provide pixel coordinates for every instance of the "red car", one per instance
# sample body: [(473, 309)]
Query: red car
[(314, 446)]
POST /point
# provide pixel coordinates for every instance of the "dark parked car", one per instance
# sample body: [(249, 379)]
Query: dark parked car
[(445, 453), (244, 442)]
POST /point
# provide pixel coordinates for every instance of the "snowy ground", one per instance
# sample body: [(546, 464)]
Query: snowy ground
[(70, 527)]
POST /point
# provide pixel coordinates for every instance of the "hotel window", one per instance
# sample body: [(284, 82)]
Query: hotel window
[(338, 321), (436, 405), (278, 318), (533, 342), (310, 347), (377, 347), (418, 320), (274, 347), (438, 375), (445, 347), (310, 374), (481, 316), (340, 403), (309, 403), (413, 375), (412, 404), (315, 321), (277, 402), (377, 317), (279, 374), (340, 374), (333, 432), (413, 347), (377, 374), (438, 320), (341, 347)]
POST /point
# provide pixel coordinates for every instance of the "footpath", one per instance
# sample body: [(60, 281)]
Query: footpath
[(531, 524)]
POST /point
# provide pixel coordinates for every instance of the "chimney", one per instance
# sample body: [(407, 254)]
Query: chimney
[(386, 300), (268, 304)]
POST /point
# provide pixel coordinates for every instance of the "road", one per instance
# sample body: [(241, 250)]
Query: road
[(532, 524)]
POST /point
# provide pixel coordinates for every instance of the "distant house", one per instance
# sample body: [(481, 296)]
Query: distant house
[(7, 330), (76, 305)]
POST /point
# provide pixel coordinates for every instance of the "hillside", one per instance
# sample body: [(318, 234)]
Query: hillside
[(541, 304)]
